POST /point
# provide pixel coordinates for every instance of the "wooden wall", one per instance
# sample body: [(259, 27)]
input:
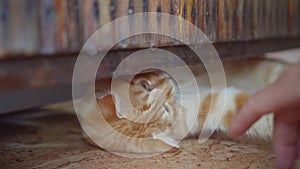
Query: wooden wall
[(46, 27)]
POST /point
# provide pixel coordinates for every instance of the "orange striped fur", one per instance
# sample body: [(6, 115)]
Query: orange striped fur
[(243, 79)]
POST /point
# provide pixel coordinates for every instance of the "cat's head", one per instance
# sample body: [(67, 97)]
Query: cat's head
[(151, 96)]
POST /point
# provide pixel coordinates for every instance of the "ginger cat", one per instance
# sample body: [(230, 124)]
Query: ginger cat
[(145, 93)]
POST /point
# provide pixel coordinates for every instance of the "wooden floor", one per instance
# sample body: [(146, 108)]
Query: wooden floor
[(50, 137)]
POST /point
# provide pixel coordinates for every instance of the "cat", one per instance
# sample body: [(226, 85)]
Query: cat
[(154, 95)]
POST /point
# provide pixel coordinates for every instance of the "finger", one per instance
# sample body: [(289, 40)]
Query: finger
[(282, 94), (274, 97), (285, 142)]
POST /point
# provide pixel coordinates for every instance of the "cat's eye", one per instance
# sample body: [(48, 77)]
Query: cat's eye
[(167, 108), (146, 85)]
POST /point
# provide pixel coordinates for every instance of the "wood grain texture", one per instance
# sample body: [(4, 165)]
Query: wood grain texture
[(293, 16), (121, 9), (74, 30), (48, 71), (19, 27), (55, 26), (89, 13), (104, 13), (3, 17)]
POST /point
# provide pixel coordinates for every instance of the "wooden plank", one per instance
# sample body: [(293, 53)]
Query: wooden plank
[(239, 19), (255, 18), (153, 23), (226, 20), (188, 6), (229, 5), (74, 28), (165, 8), (222, 27), (247, 15), (200, 16), (53, 71), (62, 26), (293, 17), (139, 41), (19, 27), (104, 12), (89, 15), (211, 19), (193, 12), (283, 17), (3, 18), (121, 9), (54, 37), (176, 6)]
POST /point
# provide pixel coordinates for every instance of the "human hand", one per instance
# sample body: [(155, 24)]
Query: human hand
[(283, 99)]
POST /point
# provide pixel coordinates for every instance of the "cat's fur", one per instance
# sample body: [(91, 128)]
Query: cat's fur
[(146, 90)]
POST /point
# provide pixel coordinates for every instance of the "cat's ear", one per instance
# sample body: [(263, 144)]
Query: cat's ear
[(102, 94)]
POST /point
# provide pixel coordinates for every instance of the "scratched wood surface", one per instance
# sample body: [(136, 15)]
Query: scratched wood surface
[(31, 27)]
